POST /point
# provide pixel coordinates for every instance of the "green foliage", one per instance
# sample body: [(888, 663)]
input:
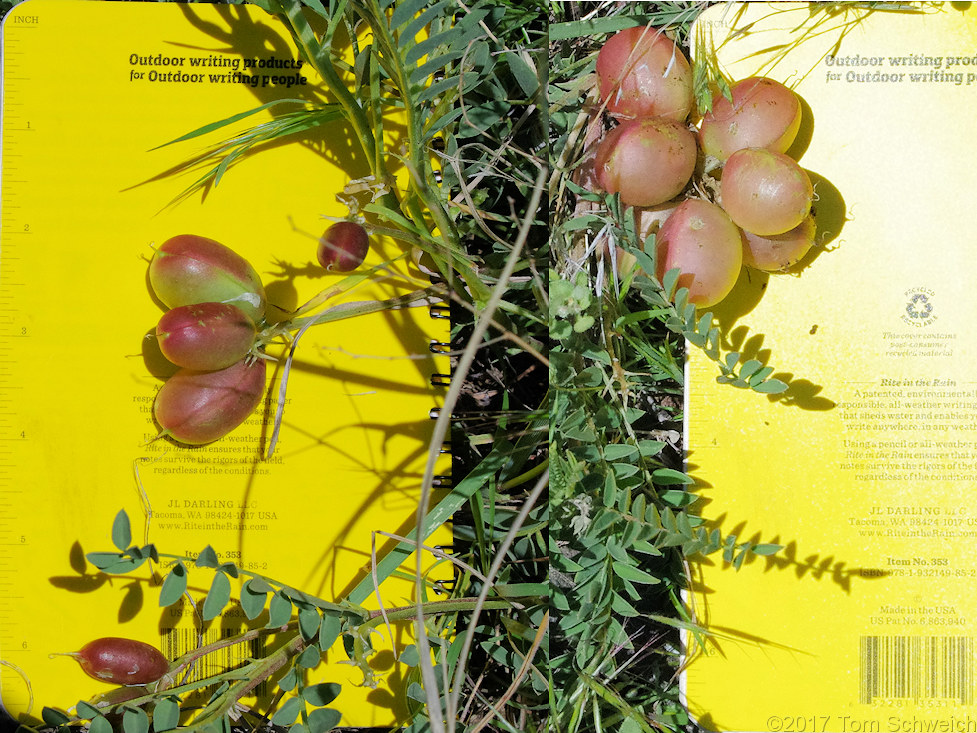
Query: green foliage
[(625, 524)]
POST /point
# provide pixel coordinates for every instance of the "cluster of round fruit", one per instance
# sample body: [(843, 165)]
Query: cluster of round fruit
[(215, 329), (759, 214)]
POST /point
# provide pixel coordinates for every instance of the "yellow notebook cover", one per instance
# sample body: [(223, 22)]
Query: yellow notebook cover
[(91, 90), (864, 470)]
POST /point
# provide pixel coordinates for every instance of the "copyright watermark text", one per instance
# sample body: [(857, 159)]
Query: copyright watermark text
[(855, 724)]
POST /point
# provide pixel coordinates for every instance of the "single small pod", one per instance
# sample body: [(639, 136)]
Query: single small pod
[(189, 269), (197, 407), (779, 252), (701, 241), (205, 336), (648, 161), (765, 192), (343, 246), (763, 113), (121, 661), (642, 73)]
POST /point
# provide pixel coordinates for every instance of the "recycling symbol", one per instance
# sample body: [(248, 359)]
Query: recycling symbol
[(919, 306)]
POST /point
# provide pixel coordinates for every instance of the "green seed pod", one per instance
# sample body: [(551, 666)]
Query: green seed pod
[(188, 269), (196, 407), (205, 336)]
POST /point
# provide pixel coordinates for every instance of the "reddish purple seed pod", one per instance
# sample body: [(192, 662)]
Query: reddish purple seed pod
[(205, 336), (122, 661), (197, 407), (343, 247)]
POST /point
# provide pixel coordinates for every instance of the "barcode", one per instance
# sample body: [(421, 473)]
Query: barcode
[(177, 642), (916, 668)]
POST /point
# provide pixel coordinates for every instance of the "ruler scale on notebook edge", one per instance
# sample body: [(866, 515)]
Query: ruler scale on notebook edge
[(863, 472), (85, 195)]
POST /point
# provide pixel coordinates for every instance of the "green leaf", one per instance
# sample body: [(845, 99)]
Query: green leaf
[(279, 611), (405, 11), (621, 606), (260, 585), (409, 656), (425, 47), (229, 121), (422, 72), (85, 710), (322, 693), (100, 724), (629, 572), (174, 585), (323, 719), (309, 658), (329, 631), (53, 716), (166, 715), (135, 720), (524, 73), (252, 601), (767, 549), (217, 597), (650, 448), (411, 30), (289, 680), (287, 713), (771, 386), (669, 476), (309, 620), (207, 558), (617, 451), (113, 563), (121, 532), (749, 367)]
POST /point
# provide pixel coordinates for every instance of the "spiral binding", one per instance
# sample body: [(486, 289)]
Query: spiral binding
[(440, 379)]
